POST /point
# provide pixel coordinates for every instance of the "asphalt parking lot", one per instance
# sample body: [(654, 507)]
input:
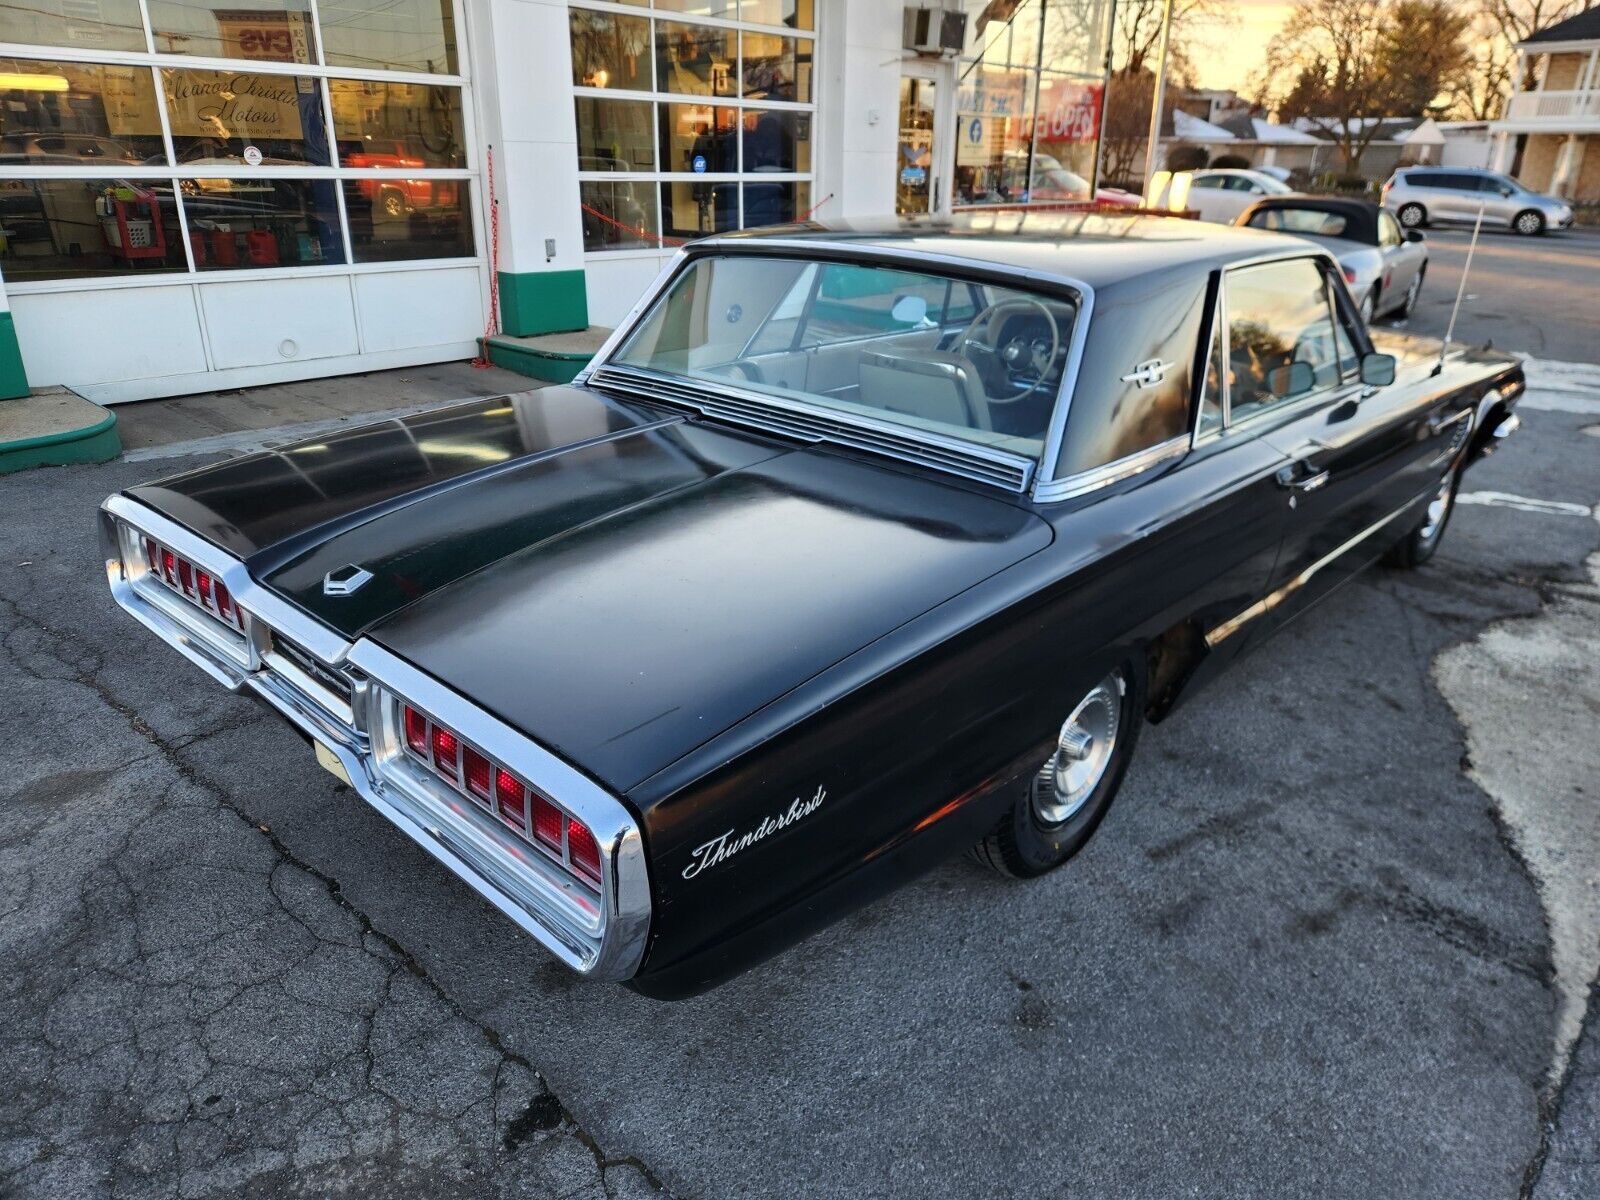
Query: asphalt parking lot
[(1535, 295), (1337, 938)]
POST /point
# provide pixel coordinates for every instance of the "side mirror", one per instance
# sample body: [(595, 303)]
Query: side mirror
[(1292, 379), (1415, 235), (1377, 370), (910, 310), (1505, 191)]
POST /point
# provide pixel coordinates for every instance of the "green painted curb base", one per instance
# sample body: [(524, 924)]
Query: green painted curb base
[(95, 443), (13, 379), (535, 302), (548, 365)]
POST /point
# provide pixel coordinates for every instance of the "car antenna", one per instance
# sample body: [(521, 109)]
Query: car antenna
[(1461, 287)]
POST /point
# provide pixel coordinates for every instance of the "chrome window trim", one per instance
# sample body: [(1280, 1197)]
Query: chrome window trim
[(609, 347), (1040, 469), (1112, 472), (539, 899)]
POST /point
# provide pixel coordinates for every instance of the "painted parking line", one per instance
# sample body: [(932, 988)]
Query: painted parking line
[(1556, 508)]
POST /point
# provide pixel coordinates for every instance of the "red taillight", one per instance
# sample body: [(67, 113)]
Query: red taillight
[(185, 576), (547, 822), (225, 603), (152, 554), (511, 798), (1349, 275), (202, 583), (416, 732), (445, 746), (169, 565), (475, 768), (582, 849)]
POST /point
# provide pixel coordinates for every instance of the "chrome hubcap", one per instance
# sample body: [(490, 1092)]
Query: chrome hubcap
[(1438, 508), (1083, 752), (1528, 224)]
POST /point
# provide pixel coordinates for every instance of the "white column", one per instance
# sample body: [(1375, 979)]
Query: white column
[(858, 108), (1562, 177), (522, 67), (1500, 155)]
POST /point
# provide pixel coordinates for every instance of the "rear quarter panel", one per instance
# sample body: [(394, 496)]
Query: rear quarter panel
[(918, 743)]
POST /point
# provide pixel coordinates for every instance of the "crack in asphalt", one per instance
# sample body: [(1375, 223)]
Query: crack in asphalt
[(1497, 685), (545, 1112)]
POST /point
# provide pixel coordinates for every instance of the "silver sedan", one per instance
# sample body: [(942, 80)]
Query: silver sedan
[(1383, 265)]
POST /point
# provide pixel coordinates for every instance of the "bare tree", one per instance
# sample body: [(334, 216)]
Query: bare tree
[(1344, 64), (1135, 45)]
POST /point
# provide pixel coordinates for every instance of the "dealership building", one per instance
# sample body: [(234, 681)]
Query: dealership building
[(206, 194)]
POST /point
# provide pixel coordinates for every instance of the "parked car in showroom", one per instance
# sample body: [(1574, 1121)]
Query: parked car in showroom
[(1383, 265), (854, 547), (1219, 194), (1421, 196)]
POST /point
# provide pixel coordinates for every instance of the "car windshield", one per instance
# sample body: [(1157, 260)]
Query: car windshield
[(932, 353)]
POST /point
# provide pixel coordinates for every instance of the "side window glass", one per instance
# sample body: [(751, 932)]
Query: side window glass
[(1282, 344), (1388, 230), (1211, 386)]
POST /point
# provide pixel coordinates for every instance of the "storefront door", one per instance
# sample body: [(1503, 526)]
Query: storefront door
[(927, 96)]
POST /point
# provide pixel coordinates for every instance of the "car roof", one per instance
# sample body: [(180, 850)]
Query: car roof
[(1361, 215), (1095, 248)]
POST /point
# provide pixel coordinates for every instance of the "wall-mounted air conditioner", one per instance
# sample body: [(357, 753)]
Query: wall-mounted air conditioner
[(935, 30)]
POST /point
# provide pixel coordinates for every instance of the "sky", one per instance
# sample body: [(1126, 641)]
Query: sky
[(1227, 56)]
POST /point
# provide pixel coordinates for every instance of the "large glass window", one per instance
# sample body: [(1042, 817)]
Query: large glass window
[(157, 163), (717, 133), (236, 223), (390, 35), (268, 30), (71, 228), (1030, 99), (77, 114), (402, 125), (241, 116), (104, 25)]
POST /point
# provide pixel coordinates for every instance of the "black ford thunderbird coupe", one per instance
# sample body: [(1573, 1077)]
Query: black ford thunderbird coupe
[(854, 546)]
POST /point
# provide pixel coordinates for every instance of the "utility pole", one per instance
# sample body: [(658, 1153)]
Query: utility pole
[(1152, 154)]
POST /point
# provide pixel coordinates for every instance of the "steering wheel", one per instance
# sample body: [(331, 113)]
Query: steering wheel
[(1007, 360)]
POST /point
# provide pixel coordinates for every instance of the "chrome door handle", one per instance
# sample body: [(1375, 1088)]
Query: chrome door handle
[(1287, 478), (1437, 423)]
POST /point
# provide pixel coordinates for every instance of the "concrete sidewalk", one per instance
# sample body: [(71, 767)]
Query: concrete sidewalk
[(224, 421)]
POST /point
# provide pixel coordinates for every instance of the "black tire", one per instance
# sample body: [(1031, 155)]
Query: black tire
[(1418, 546), (1529, 222), (1410, 304), (1023, 847), (1413, 215), (1369, 305)]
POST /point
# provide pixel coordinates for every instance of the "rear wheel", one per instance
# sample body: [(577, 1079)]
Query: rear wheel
[(1412, 292), (1529, 223), (1070, 794), (1419, 545), (1369, 305), (1413, 216)]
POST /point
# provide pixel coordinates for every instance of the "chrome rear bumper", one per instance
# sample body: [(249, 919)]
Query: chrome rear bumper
[(598, 935)]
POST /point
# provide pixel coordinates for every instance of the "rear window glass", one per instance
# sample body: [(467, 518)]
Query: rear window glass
[(919, 349), (1309, 221)]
